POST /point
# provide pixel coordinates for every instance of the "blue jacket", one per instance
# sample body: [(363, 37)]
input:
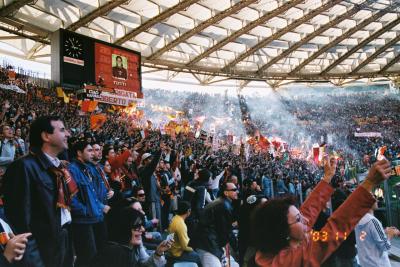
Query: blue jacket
[(98, 183), (267, 186), (86, 207), (372, 243)]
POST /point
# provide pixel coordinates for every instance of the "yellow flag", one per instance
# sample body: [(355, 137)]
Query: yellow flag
[(60, 92), (66, 98)]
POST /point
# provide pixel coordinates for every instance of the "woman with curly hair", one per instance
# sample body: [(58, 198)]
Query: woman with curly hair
[(282, 233)]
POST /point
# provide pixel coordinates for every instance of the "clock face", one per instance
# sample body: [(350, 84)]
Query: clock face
[(73, 47)]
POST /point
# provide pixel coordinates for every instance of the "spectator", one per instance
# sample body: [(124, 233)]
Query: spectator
[(373, 243), (246, 250), (37, 195), (7, 146), (215, 228), (11, 250), (196, 194), (280, 230), (180, 250), (89, 228), (128, 250), (150, 185)]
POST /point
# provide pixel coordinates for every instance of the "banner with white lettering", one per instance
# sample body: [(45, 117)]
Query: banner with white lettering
[(368, 134)]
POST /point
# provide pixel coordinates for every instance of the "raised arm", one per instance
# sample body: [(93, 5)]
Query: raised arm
[(345, 218), (318, 198)]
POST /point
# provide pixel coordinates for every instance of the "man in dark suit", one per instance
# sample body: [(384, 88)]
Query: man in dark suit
[(119, 70), (37, 195)]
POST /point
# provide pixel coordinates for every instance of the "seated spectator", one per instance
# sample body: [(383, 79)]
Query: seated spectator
[(281, 231), (180, 250), (127, 250)]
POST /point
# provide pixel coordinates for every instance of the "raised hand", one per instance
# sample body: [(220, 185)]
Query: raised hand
[(329, 167), (379, 172)]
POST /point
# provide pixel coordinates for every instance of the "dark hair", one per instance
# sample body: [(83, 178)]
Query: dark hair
[(2, 127), (38, 126), (204, 175), (127, 219), (107, 149), (79, 146), (183, 207), (270, 227), (118, 57), (136, 190)]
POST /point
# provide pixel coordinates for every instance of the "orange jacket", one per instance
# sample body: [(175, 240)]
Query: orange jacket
[(320, 245)]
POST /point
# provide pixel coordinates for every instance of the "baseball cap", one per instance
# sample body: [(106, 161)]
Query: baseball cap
[(146, 155)]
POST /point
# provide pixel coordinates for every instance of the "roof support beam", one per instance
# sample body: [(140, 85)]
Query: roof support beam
[(362, 44), (309, 37), (391, 63), (22, 34), (281, 32), (340, 39), (151, 22), (376, 54), (20, 25), (221, 15), (280, 10), (8, 10), (98, 12)]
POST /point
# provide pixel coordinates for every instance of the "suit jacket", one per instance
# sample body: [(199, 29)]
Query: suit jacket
[(30, 196)]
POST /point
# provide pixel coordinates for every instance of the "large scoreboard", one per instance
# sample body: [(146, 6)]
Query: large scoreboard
[(77, 60)]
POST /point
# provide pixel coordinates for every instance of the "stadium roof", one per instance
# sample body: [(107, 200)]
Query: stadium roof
[(249, 39)]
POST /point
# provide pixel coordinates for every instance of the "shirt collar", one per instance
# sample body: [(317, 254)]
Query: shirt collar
[(55, 161)]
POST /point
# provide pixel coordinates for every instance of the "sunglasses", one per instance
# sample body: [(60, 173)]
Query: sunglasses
[(141, 195), (232, 190), (137, 227)]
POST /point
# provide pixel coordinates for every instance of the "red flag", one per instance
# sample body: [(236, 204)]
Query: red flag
[(316, 154), (264, 143), (88, 106), (97, 120)]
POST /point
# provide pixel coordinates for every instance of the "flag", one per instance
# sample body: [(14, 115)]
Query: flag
[(66, 99), (144, 133), (60, 92), (11, 75), (381, 153), (88, 105), (263, 143), (315, 150), (97, 120)]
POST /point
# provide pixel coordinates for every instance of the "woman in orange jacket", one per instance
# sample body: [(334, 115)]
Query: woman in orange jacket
[(282, 233)]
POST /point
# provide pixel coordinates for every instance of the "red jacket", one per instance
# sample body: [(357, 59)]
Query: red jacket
[(116, 163), (320, 245)]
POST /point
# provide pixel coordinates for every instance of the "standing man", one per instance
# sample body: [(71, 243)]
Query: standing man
[(102, 185), (7, 146), (215, 228), (150, 184), (37, 196), (88, 209), (20, 143)]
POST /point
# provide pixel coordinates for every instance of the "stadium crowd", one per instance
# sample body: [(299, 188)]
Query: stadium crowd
[(115, 196)]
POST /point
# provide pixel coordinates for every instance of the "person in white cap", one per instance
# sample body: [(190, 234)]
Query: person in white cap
[(149, 181)]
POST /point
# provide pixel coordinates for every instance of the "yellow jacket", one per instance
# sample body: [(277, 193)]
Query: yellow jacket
[(178, 227)]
